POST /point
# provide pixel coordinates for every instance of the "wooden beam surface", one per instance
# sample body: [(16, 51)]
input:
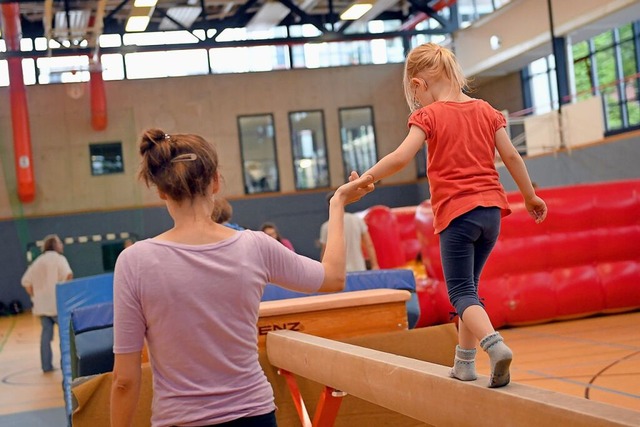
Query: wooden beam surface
[(332, 301), (425, 392)]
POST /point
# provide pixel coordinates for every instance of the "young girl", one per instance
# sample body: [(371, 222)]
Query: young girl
[(468, 200), (193, 294)]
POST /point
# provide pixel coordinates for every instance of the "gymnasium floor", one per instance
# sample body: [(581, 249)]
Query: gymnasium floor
[(596, 358)]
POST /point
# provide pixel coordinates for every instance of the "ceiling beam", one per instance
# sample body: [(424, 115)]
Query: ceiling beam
[(211, 43)]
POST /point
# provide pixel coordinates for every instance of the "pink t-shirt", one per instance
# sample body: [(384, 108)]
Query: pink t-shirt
[(197, 307), (461, 152)]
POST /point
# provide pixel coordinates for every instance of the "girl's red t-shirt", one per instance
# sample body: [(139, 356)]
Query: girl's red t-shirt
[(461, 153)]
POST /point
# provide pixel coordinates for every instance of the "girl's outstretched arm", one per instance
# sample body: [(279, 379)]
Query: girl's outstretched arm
[(400, 157), (518, 170), (334, 256)]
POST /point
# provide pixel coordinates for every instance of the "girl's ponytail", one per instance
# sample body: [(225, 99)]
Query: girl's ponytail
[(431, 61), (452, 69)]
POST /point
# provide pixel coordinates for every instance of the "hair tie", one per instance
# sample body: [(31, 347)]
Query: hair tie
[(187, 157)]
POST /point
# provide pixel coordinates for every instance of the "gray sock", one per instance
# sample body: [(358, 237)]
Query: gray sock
[(500, 356), (464, 364)]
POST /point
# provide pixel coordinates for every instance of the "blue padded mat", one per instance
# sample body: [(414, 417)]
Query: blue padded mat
[(94, 352), (71, 295), (95, 316)]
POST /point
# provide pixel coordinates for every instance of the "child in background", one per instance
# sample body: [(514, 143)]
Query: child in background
[(271, 229), (462, 135), (222, 213)]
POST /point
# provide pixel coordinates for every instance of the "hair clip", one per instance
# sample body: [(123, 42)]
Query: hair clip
[(167, 136), (187, 157)]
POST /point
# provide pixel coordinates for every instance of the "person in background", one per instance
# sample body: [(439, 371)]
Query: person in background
[(462, 135), (193, 293), (357, 238), (222, 212), (271, 229), (40, 282)]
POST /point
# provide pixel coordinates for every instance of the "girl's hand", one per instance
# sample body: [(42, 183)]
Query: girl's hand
[(355, 189), (537, 208)]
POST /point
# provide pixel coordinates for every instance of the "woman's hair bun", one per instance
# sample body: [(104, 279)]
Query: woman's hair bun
[(150, 138), (182, 166)]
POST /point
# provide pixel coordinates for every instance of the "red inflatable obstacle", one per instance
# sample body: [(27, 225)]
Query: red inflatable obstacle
[(385, 234), (393, 231), (583, 260)]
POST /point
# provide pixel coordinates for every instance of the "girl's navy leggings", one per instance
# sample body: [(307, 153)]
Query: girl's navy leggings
[(465, 246)]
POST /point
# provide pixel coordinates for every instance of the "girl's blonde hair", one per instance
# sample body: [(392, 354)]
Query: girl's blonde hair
[(431, 62)]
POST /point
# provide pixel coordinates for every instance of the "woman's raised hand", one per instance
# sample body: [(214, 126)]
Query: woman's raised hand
[(355, 189)]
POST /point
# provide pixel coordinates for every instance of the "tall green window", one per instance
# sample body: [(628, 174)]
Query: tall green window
[(608, 65)]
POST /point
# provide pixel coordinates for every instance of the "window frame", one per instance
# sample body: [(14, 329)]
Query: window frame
[(347, 168), (243, 159), (323, 127), (101, 146)]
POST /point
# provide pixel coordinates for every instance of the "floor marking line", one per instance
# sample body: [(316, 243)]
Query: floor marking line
[(612, 364), (581, 383)]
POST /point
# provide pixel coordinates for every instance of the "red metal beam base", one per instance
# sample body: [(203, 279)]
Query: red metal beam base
[(328, 405)]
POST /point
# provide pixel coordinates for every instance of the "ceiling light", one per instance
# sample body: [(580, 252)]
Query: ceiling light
[(495, 42), (355, 11), (137, 23), (145, 3), (306, 163)]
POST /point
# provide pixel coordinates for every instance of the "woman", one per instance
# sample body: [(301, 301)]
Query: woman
[(193, 293)]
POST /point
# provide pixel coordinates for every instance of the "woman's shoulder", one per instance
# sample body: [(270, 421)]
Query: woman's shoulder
[(137, 249), (253, 238)]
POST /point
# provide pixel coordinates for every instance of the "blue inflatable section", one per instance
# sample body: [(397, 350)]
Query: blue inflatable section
[(71, 295), (364, 280)]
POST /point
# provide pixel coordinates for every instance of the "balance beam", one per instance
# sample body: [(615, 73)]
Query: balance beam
[(424, 391)]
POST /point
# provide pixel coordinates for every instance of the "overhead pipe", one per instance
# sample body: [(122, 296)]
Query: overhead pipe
[(98, 96), (96, 82), (12, 33)]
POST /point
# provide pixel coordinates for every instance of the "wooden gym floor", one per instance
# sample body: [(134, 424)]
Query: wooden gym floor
[(596, 358)]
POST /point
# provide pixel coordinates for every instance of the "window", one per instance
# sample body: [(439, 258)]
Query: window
[(358, 139), (470, 11), (257, 141), (106, 158), (584, 80), (158, 62), (309, 149), (541, 78), (607, 65), (145, 65), (65, 69)]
